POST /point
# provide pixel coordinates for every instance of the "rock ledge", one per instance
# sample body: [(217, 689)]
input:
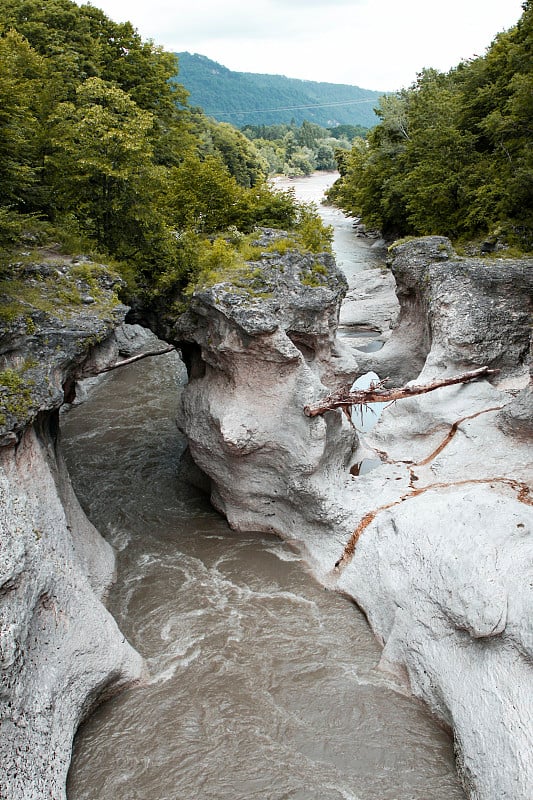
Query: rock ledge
[(442, 531)]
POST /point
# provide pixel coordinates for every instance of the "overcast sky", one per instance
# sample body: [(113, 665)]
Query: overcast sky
[(375, 44)]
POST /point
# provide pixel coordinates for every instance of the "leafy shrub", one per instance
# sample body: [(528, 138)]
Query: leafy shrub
[(313, 234)]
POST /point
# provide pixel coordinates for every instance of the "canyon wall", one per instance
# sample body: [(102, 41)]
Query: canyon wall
[(61, 652), (436, 544)]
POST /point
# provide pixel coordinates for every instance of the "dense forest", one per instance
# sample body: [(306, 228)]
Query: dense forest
[(300, 150), (247, 98), (100, 152), (453, 153)]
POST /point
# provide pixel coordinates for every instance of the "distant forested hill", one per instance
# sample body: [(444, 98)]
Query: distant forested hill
[(246, 98)]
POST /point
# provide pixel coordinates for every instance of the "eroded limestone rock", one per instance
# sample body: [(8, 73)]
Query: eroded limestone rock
[(457, 313), (436, 545), (61, 652), (371, 302), (251, 363)]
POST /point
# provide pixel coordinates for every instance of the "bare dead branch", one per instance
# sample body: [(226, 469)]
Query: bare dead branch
[(138, 357), (376, 393)]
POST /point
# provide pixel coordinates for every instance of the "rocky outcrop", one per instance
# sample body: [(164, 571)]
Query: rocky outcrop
[(60, 650), (252, 361), (457, 313), (436, 545), (371, 302)]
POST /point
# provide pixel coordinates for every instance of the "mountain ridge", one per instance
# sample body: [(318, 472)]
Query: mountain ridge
[(249, 98)]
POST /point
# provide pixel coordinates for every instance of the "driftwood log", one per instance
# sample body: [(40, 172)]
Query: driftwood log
[(376, 392), (132, 359)]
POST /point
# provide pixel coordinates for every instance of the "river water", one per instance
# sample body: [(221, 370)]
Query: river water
[(352, 252), (261, 683)]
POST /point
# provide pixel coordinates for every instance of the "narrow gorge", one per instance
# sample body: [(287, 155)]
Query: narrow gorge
[(425, 521)]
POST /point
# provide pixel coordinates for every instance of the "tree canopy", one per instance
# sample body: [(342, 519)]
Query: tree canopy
[(98, 145), (299, 150), (452, 154)]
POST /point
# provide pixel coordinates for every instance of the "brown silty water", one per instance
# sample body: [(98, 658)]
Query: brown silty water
[(261, 683)]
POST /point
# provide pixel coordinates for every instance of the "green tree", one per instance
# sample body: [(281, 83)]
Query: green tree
[(96, 138), (452, 154), (301, 162), (497, 109), (371, 184), (272, 153), (290, 144), (232, 147), (202, 195), (238, 154), (22, 75), (80, 42), (310, 134), (437, 156), (101, 163), (325, 157), (348, 132)]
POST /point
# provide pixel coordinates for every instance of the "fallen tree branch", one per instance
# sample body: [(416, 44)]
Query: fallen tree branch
[(138, 357), (376, 393)]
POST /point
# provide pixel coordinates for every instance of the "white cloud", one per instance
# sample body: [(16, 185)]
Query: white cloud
[(325, 4), (377, 44)]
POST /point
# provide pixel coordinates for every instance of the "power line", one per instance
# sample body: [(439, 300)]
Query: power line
[(291, 108)]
